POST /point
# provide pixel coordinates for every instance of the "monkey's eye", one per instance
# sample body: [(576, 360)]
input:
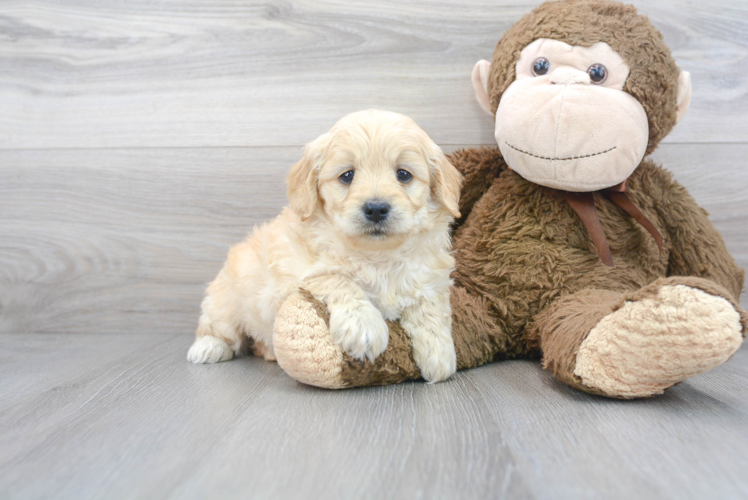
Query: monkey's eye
[(597, 73), (540, 66), (346, 177), (404, 176)]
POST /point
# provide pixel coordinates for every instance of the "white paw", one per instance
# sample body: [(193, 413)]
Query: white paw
[(360, 329), (436, 358), (209, 350)]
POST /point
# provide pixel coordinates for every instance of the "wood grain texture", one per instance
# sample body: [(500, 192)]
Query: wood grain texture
[(90, 417), (87, 73), (111, 241)]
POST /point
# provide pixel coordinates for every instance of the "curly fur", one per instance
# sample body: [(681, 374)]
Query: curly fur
[(367, 272)]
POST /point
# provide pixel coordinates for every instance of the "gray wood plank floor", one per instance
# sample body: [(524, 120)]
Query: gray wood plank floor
[(139, 139), (128, 417)]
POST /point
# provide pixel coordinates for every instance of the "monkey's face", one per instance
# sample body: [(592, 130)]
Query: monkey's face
[(566, 123)]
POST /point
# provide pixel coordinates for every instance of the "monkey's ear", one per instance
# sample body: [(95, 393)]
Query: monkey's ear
[(684, 95), (302, 181), (481, 70), (446, 182)]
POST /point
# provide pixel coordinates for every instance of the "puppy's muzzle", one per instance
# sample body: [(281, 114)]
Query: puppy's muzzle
[(376, 210)]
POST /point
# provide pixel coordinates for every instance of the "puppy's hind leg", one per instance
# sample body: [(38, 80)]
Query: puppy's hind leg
[(217, 336), (209, 349)]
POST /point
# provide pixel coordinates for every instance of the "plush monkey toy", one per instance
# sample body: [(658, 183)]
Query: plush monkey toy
[(571, 247)]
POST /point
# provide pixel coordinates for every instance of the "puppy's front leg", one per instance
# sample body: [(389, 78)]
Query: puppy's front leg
[(428, 323), (355, 323)]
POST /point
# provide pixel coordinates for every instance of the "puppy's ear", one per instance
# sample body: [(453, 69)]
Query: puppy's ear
[(302, 180), (446, 182)]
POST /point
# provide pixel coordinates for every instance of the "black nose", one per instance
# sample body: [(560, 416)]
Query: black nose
[(376, 210)]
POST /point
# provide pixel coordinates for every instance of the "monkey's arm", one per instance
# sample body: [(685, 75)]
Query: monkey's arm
[(697, 247), (479, 167)]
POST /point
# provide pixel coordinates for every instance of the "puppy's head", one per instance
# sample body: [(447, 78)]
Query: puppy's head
[(378, 177)]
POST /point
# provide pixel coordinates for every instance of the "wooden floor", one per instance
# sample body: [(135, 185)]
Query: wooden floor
[(128, 417), (139, 139)]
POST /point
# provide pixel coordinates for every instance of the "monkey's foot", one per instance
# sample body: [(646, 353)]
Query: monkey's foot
[(305, 349), (662, 335), (303, 344)]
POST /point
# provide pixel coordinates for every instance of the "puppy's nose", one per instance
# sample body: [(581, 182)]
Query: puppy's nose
[(376, 210)]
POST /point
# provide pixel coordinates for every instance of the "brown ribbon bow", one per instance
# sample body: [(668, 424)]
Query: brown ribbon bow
[(584, 205)]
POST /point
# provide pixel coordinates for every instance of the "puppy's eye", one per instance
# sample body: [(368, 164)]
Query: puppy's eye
[(404, 176), (346, 177)]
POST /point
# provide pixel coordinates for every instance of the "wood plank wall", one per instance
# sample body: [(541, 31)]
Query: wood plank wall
[(138, 140)]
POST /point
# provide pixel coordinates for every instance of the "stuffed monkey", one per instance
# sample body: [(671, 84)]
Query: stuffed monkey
[(572, 247)]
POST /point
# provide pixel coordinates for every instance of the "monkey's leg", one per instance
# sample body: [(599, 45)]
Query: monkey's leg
[(641, 343), (305, 350)]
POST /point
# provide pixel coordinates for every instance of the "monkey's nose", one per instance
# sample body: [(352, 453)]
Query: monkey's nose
[(567, 76), (376, 210)]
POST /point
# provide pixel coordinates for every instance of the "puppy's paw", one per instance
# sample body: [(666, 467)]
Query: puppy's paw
[(209, 349), (360, 329), (435, 357)]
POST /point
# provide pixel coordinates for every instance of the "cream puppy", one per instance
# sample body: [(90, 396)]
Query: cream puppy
[(367, 233)]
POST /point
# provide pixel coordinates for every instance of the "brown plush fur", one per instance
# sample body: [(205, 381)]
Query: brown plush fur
[(474, 343), (654, 75), (528, 280), (562, 328), (479, 169), (522, 247)]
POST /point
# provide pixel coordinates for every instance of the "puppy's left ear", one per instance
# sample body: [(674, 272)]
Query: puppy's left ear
[(446, 181), (302, 180)]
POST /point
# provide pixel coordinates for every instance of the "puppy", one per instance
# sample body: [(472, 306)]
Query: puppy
[(367, 233)]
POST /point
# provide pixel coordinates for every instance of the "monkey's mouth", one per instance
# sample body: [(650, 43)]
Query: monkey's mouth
[(560, 159)]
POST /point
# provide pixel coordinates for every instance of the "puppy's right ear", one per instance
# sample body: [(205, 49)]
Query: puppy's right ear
[(302, 181)]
